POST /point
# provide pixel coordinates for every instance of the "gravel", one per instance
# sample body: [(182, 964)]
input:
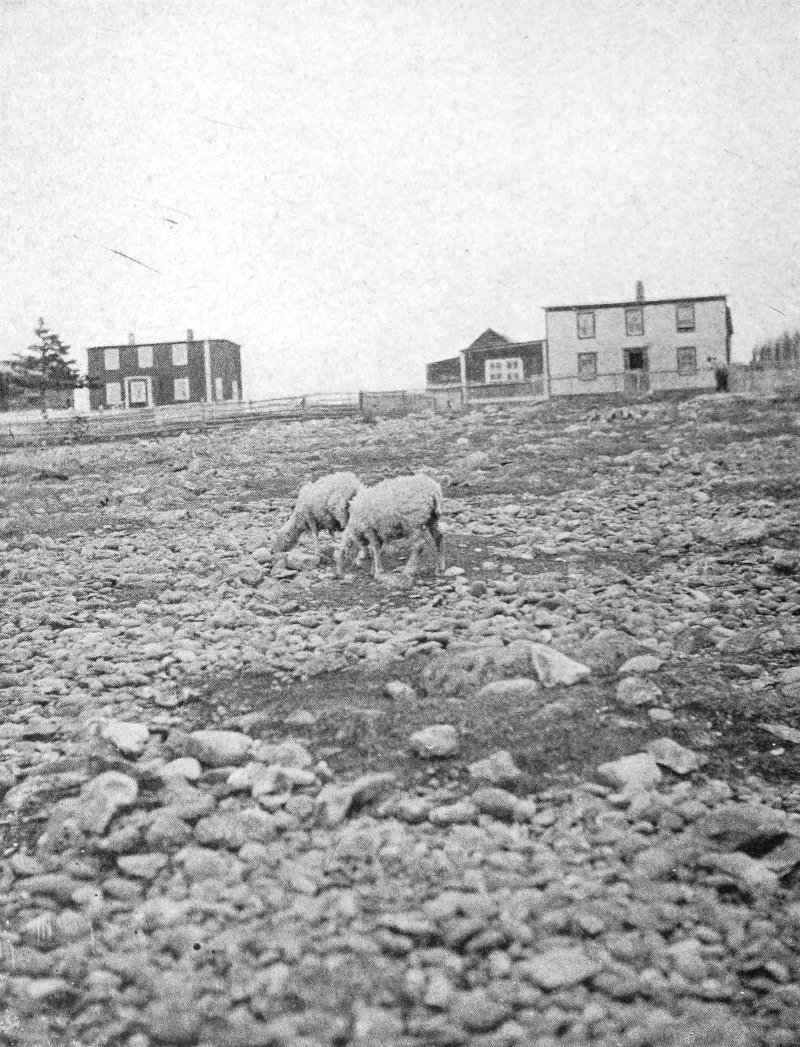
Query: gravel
[(547, 799)]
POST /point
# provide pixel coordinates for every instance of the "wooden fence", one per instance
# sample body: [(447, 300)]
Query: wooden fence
[(762, 380), (74, 427)]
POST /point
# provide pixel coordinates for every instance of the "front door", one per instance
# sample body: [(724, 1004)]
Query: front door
[(637, 380), (139, 392)]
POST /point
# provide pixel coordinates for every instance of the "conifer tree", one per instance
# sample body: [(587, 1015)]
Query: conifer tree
[(45, 365)]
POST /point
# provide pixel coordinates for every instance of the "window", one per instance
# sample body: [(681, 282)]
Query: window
[(145, 356), (687, 360), (235, 390), (180, 355), (586, 325), (112, 359), (587, 366), (137, 392), (506, 370), (113, 394), (634, 320), (218, 389), (181, 388), (684, 316)]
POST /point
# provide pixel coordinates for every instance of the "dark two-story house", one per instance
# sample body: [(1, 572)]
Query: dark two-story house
[(157, 374)]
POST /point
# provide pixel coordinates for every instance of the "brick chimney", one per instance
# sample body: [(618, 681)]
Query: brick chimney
[(131, 339), (189, 334), (639, 291)]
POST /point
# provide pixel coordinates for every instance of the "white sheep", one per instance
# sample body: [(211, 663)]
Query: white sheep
[(323, 505), (402, 507)]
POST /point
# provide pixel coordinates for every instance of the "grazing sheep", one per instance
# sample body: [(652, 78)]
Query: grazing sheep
[(398, 508), (321, 506)]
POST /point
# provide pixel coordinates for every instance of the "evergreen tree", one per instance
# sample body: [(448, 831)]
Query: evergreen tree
[(45, 365), (783, 350)]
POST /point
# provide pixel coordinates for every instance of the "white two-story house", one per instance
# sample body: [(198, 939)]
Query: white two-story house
[(637, 346)]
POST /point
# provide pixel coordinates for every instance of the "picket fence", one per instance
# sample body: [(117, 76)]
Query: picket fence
[(79, 427)]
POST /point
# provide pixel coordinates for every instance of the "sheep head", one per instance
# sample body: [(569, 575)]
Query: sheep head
[(286, 536)]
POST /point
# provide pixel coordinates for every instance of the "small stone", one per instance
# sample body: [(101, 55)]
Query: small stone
[(103, 797), (779, 730), (667, 753), (479, 1012), (288, 753), (52, 991), (439, 991), (185, 767), (552, 667), (640, 664), (497, 769), (499, 803), (559, 968), (631, 773), (218, 748), (300, 718), (412, 809), (525, 810), (371, 1026), (412, 924), (752, 874), (168, 832), (142, 866), (129, 738), (659, 715), (633, 691), (688, 959), (400, 691), (520, 688), (173, 1018), (461, 813), (438, 741)]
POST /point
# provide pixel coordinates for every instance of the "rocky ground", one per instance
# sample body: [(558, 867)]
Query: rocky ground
[(549, 799)]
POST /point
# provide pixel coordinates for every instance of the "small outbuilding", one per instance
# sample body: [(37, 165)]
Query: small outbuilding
[(492, 368)]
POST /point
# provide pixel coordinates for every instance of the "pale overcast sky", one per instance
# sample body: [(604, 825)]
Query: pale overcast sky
[(352, 189)]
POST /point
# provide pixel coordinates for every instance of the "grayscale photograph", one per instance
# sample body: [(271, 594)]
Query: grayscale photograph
[(399, 523)]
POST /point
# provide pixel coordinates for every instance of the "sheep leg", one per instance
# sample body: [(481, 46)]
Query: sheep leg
[(416, 551), (339, 555), (311, 526), (375, 549), (438, 541)]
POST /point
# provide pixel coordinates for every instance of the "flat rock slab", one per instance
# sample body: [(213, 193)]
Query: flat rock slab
[(560, 968), (668, 753)]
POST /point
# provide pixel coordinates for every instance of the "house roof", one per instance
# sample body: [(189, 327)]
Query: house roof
[(504, 344), (170, 341), (650, 301), (486, 340)]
